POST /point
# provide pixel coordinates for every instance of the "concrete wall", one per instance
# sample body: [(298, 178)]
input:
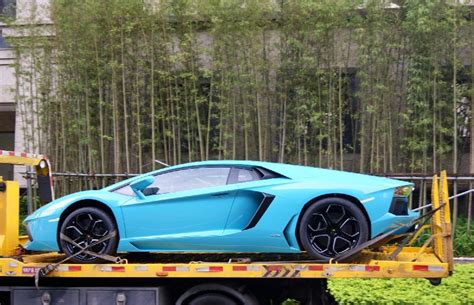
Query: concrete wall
[(9, 139), (7, 108), (7, 79), (36, 11), (28, 11)]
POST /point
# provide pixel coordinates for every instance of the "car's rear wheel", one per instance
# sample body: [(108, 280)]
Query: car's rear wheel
[(87, 227), (331, 227)]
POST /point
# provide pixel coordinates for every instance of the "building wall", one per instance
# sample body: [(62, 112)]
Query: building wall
[(36, 11), (7, 108), (7, 79), (13, 121)]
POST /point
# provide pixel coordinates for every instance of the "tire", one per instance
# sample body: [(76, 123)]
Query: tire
[(86, 226), (217, 294), (213, 298), (332, 226)]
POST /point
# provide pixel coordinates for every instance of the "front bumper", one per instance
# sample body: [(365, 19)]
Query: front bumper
[(42, 234)]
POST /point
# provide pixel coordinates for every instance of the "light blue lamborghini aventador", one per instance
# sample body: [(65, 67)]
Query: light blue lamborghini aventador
[(224, 206)]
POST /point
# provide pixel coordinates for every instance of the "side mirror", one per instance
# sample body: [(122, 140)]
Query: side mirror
[(140, 184), (151, 191)]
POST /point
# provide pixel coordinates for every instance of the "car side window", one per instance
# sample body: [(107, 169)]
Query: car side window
[(239, 175), (125, 190), (190, 179)]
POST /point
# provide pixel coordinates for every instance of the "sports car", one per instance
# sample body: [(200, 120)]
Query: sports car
[(224, 206)]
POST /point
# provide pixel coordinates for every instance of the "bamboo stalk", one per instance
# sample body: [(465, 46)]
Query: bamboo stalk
[(124, 102)]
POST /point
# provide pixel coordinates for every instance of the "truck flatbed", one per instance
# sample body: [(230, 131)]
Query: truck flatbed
[(369, 264), (198, 278)]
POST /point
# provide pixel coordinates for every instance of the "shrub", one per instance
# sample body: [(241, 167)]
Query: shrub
[(457, 289)]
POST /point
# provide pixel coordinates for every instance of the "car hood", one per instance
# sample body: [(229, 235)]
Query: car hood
[(57, 206)]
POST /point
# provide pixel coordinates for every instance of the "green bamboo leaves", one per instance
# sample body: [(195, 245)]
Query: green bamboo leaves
[(341, 84)]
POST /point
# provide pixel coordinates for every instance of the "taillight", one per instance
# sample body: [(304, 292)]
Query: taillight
[(404, 191)]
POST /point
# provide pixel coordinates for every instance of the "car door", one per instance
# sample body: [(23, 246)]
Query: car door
[(191, 203), (253, 198)]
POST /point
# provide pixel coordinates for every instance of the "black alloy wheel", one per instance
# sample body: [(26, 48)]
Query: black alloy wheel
[(86, 227), (331, 227)]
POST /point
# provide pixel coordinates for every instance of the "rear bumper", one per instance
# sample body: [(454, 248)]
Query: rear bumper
[(390, 221), (399, 206)]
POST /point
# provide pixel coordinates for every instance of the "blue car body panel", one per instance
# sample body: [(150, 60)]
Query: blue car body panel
[(253, 216)]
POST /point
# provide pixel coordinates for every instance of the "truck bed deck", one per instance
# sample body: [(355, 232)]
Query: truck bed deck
[(203, 278), (368, 264)]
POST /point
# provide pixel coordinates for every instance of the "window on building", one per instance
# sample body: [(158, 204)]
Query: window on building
[(463, 108), (7, 140), (3, 43), (7, 8)]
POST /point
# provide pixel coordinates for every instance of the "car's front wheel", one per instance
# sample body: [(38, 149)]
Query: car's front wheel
[(88, 227), (331, 227)]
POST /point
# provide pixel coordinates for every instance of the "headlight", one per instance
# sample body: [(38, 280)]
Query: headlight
[(404, 191)]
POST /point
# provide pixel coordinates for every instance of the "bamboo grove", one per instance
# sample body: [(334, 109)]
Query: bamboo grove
[(356, 86)]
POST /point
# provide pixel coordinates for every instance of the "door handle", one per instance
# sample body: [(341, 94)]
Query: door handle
[(219, 194)]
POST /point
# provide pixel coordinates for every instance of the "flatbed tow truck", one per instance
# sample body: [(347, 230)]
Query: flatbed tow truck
[(197, 279)]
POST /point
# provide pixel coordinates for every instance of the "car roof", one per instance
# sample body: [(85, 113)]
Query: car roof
[(287, 170)]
